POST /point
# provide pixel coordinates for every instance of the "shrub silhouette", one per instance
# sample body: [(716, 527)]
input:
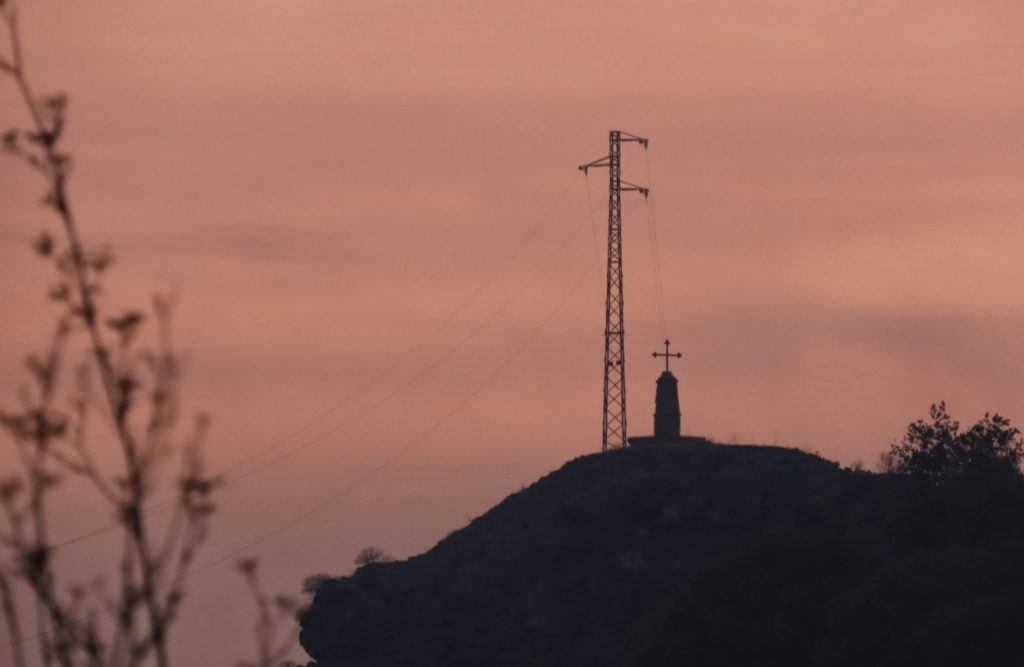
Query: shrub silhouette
[(371, 555), (940, 450), (313, 582)]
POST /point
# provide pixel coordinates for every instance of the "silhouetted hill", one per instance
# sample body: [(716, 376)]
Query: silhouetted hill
[(699, 555)]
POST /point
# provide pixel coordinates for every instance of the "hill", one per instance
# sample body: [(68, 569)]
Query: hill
[(698, 554)]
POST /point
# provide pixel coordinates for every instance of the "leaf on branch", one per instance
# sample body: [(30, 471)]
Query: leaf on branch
[(197, 484), (33, 161), (200, 511), (63, 327), (48, 480), (39, 368), (248, 566), (59, 292), (55, 103), (125, 324), (50, 199), (100, 260), (33, 561), (18, 425), (87, 313), (10, 488), (62, 161), (174, 599), (38, 138), (44, 244), (126, 386), (45, 139)]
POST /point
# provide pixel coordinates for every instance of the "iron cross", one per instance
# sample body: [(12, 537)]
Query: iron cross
[(666, 354)]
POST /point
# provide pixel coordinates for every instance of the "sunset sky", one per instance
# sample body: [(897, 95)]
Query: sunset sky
[(838, 189)]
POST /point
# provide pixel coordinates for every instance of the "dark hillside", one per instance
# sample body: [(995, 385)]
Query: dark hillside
[(703, 554)]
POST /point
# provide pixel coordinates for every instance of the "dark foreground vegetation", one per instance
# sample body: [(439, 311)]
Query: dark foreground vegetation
[(703, 555)]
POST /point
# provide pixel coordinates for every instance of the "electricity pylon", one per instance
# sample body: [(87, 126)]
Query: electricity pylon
[(614, 426)]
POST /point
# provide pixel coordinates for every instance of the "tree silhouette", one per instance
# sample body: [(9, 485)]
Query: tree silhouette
[(939, 449)]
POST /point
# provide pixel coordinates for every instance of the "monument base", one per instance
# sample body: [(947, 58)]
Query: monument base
[(642, 440)]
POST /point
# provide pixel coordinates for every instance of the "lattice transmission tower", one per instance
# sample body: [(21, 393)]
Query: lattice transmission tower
[(614, 426)]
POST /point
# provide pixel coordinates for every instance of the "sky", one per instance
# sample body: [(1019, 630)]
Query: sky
[(837, 194)]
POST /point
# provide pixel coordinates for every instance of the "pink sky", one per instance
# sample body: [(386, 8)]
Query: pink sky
[(838, 188)]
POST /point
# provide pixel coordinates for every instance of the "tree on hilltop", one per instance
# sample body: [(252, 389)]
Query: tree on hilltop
[(940, 450)]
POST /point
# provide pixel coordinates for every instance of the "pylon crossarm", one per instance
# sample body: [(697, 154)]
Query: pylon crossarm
[(626, 136), (600, 162), (629, 187)]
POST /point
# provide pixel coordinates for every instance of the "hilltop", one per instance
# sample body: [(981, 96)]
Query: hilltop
[(699, 554)]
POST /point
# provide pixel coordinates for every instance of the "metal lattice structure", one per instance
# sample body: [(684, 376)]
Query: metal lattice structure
[(614, 426)]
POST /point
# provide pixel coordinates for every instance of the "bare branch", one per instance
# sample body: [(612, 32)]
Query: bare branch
[(138, 398), (10, 613)]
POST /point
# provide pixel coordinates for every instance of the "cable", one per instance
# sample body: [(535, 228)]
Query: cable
[(170, 503), (593, 227), (418, 346), (655, 258), (401, 452), (364, 478), (437, 362)]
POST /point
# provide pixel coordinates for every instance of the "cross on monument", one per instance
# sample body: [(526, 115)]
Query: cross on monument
[(667, 355)]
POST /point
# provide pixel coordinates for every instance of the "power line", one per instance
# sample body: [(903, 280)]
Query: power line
[(422, 342), (593, 228), (373, 472), (437, 362), (655, 254), (171, 503), (406, 448)]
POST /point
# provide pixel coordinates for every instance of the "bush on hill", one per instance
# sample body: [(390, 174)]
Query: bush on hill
[(940, 450)]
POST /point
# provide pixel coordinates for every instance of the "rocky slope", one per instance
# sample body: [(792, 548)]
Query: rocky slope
[(698, 555)]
